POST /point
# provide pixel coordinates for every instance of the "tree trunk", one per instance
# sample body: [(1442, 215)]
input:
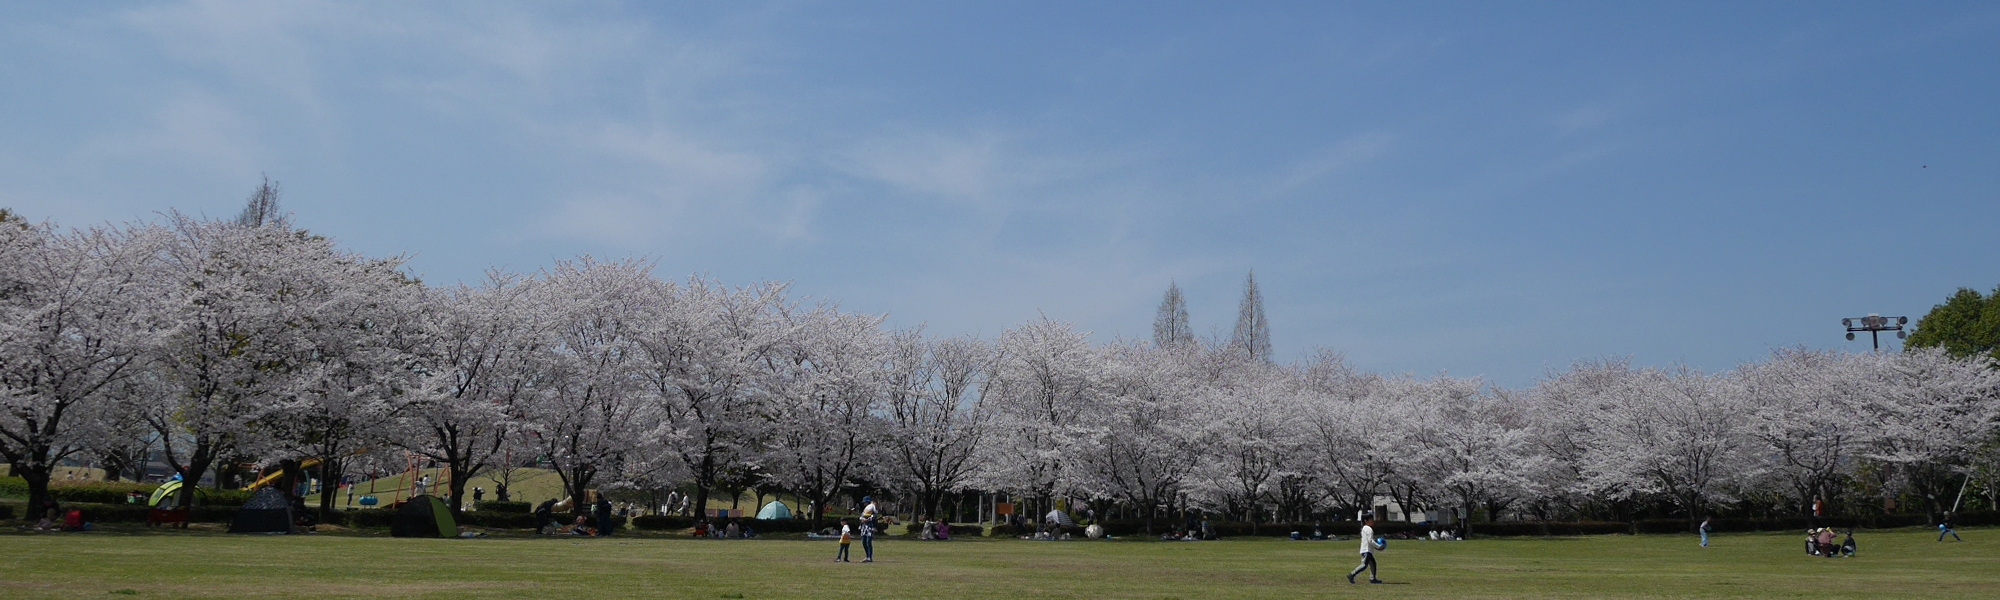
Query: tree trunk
[(457, 469), (702, 481), (37, 474), (197, 465), (327, 470)]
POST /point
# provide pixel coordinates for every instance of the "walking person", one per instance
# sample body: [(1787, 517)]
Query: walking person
[(870, 520), (846, 538), (1704, 532), (1368, 548), (1944, 529)]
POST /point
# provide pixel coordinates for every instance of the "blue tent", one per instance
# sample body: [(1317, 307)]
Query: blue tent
[(775, 511)]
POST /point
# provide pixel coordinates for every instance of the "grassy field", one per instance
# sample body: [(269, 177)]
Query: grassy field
[(1902, 564)]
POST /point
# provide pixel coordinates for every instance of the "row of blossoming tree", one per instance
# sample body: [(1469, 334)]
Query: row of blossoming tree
[(214, 342)]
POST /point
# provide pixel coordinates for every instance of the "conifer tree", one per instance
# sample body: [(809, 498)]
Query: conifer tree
[(1171, 328), (262, 207), (1253, 333)]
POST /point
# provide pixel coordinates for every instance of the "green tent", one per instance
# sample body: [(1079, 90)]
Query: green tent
[(168, 493), (775, 511)]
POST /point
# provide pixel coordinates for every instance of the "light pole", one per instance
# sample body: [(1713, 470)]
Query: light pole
[(1875, 324)]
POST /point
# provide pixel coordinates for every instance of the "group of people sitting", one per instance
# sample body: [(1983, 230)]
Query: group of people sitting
[(1434, 530), (730, 531), (594, 519), (1183, 534), (54, 519), (935, 531), (1819, 542)]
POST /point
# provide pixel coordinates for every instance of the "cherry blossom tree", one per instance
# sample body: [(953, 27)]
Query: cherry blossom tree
[(362, 339), (826, 386), (480, 368), (79, 314), (592, 409), (1470, 446), (1675, 433), (1349, 441), (701, 356), (1141, 444), (1929, 413), (936, 417), (1804, 407), (1044, 380), (243, 302), (1251, 419)]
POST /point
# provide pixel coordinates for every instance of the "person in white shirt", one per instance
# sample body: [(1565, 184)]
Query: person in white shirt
[(1368, 548)]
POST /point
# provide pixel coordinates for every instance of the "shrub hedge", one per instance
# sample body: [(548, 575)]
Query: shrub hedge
[(662, 522), (132, 513), (761, 526), (503, 507), (369, 517), (114, 492), (6, 513), (916, 531), (497, 520)]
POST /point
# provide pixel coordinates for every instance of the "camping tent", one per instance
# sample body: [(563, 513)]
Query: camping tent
[(1057, 517), (775, 511), (166, 496), (266, 512), (423, 516)]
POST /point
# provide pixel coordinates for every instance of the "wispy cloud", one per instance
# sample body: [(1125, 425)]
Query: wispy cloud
[(191, 129), (1342, 155)]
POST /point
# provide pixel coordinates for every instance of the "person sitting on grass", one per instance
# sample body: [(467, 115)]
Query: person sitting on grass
[(1847, 547), (701, 528), (581, 527), (51, 516), (732, 531), (1826, 547)]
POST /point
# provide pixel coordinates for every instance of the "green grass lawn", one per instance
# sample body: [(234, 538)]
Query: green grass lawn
[(1899, 564)]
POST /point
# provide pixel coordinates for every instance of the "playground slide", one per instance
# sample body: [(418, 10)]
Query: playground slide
[(273, 477)]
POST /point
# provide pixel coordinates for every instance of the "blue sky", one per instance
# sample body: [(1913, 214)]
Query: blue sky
[(1493, 189)]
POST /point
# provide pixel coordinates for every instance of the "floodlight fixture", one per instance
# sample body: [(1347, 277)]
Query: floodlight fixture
[(1875, 324)]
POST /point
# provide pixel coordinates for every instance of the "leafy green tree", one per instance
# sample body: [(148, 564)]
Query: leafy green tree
[(1967, 324)]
